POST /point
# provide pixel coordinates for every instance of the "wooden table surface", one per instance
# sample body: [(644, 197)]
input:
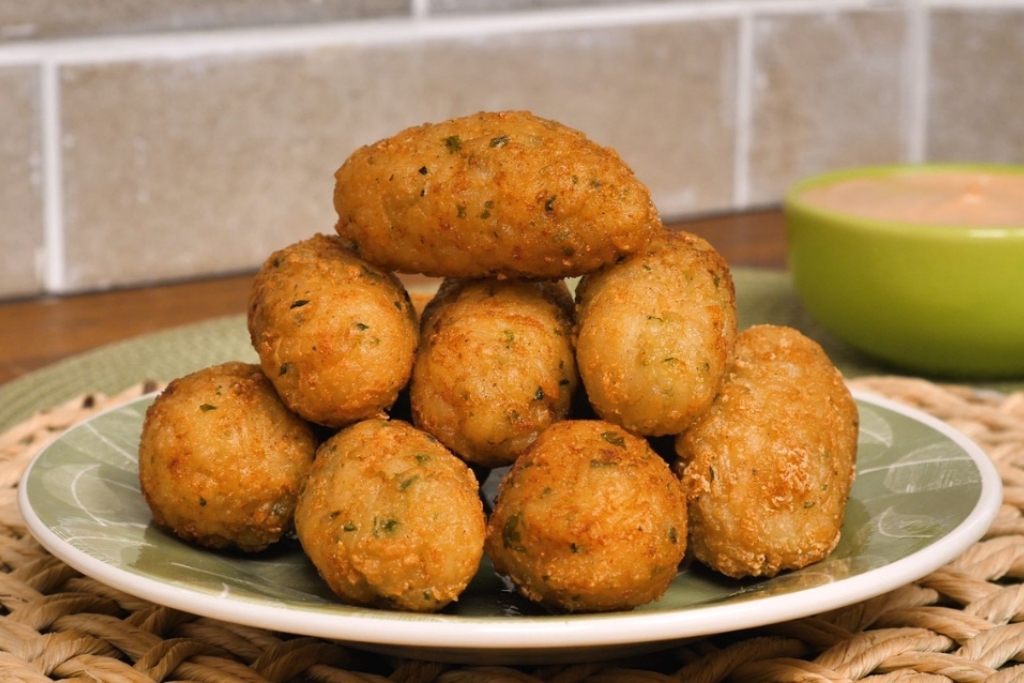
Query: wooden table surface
[(40, 331)]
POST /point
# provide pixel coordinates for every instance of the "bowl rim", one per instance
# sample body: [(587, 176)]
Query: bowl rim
[(793, 201)]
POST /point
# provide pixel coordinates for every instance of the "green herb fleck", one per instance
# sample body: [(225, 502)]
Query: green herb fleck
[(371, 273), (673, 536), (539, 396), (361, 326), (499, 141), (202, 502), (407, 483), (460, 211), (549, 205), (386, 526), (284, 369), (573, 548), (299, 303), (614, 438), (206, 407), (423, 170), (510, 537), (349, 526), (422, 458), (453, 143), (808, 504)]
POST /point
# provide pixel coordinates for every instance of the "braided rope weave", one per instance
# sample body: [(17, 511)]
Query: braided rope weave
[(963, 622)]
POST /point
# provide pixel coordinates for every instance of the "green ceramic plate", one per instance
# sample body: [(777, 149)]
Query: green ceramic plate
[(924, 493)]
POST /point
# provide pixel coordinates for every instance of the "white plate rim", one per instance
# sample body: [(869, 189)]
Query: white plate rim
[(550, 632)]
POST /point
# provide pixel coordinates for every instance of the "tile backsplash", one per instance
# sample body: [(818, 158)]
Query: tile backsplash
[(149, 141)]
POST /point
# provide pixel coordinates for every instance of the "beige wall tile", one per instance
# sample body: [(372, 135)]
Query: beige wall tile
[(828, 92), (179, 168), (35, 19), (21, 203), (975, 97)]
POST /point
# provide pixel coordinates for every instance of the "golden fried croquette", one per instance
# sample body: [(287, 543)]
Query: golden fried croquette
[(495, 367), (768, 468), (390, 518), (221, 459), (503, 193), (655, 333), (589, 519), (335, 335)]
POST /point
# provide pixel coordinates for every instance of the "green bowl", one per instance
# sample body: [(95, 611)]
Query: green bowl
[(937, 300)]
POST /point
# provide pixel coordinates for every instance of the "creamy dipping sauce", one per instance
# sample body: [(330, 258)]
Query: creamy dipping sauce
[(964, 198)]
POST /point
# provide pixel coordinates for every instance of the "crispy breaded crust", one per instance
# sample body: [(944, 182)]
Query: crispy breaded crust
[(589, 519), (495, 367), (390, 518), (492, 194), (335, 335), (221, 459), (655, 334), (768, 468)]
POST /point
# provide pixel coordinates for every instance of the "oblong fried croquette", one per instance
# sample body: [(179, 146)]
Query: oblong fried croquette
[(589, 519), (335, 335), (495, 193), (495, 367), (768, 468), (390, 518), (655, 333), (221, 459)]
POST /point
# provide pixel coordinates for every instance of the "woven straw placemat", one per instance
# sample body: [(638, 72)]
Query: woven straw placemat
[(963, 622)]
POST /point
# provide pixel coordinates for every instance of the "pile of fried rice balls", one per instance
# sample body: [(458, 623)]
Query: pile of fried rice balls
[(370, 423)]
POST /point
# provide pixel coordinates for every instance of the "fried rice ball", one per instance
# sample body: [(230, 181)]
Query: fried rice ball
[(768, 468), (495, 368), (221, 459), (495, 193), (589, 519), (655, 334), (390, 518), (335, 335)]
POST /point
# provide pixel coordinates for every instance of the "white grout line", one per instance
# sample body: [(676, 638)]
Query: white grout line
[(976, 4), (917, 86), (419, 26), (744, 100), (53, 207)]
